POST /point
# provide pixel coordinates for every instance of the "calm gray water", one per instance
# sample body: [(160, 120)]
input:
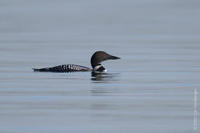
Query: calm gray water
[(150, 90)]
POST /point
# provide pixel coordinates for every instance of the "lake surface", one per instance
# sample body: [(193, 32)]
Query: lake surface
[(152, 89)]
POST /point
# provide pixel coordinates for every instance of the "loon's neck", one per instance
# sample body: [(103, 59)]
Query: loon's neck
[(99, 68)]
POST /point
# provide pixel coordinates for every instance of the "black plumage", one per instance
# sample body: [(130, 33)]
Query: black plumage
[(63, 68)]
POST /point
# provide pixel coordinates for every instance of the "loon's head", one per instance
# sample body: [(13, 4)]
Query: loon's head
[(98, 57)]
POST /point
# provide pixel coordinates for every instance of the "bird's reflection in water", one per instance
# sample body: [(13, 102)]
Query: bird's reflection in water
[(103, 77)]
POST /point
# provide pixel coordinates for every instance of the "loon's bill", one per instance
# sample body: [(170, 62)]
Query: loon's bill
[(96, 59)]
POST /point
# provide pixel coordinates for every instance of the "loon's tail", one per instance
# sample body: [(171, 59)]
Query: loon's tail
[(40, 69), (63, 68)]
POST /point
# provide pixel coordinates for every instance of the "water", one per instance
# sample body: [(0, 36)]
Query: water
[(150, 90)]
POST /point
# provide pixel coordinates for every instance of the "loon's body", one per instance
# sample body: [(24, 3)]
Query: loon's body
[(96, 59), (64, 68)]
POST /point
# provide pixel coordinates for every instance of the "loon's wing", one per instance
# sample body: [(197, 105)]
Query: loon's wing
[(63, 68)]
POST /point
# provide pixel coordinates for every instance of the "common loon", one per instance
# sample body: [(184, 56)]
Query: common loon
[(95, 61)]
